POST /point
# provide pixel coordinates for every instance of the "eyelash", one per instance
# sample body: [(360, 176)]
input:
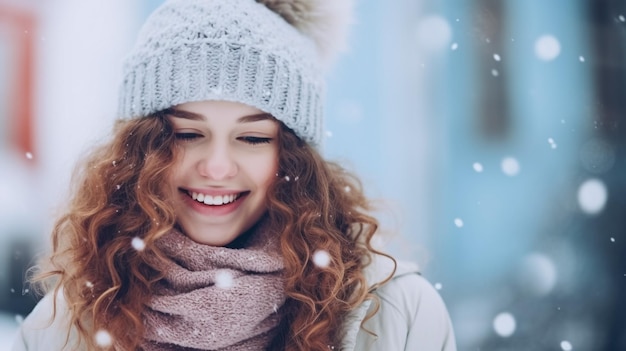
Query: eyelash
[(186, 136), (252, 140), (255, 140)]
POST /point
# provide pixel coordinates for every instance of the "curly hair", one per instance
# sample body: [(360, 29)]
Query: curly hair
[(120, 195)]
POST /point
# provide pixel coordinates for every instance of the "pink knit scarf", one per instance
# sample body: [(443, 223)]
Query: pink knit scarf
[(216, 298)]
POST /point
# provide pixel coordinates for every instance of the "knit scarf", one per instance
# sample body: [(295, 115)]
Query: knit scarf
[(216, 298)]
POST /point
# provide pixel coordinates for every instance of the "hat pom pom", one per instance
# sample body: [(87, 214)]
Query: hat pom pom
[(326, 22)]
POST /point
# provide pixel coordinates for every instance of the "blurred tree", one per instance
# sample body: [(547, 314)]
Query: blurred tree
[(608, 37)]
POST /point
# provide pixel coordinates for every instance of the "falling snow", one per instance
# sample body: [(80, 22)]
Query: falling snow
[(552, 143), (224, 279), (510, 166), (138, 244), (103, 338), (566, 345), (477, 167), (434, 33), (592, 196), (321, 258), (504, 324), (458, 222), (547, 47)]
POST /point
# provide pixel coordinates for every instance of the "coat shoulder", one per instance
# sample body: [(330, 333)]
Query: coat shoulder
[(409, 293), (410, 315), (47, 327)]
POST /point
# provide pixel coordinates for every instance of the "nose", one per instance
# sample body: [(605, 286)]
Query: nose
[(217, 163)]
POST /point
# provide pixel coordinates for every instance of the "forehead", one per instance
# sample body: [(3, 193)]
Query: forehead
[(202, 110)]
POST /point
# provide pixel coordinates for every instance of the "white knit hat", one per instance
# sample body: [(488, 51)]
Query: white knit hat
[(235, 50)]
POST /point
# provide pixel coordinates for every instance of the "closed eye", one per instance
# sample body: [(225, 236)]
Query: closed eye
[(253, 140), (187, 136)]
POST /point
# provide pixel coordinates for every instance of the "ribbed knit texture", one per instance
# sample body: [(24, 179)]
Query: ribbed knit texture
[(216, 298), (235, 50)]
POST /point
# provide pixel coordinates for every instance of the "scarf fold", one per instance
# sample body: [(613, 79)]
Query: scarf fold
[(216, 298)]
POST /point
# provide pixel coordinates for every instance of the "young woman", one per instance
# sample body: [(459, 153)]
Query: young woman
[(210, 221)]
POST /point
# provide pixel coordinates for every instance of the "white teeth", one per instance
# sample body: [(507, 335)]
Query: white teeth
[(213, 200)]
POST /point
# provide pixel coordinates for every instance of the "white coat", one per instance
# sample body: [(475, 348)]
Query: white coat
[(412, 317)]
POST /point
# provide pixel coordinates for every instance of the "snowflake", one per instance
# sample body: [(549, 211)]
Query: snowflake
[(592, 196), (103, 338), (477, 167), (566, 345), (321, 258), (504, 324), (547, 47), (458, 222), (224, 279), (510, 166), (138, 244)]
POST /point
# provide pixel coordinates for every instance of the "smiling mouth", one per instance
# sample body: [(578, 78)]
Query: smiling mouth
[(217, 200)]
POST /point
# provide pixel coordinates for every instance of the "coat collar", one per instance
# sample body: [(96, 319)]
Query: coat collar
[(377, 271)]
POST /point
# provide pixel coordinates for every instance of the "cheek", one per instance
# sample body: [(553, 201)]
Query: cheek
[(183, 160), (265, 170), (180, 167)]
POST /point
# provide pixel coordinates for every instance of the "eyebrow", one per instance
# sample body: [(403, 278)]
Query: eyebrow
[(199, 117)]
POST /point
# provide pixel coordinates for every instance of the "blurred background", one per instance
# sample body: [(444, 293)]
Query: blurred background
[(491, 131)]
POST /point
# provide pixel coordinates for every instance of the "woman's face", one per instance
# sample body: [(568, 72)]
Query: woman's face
[(229, 159)]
